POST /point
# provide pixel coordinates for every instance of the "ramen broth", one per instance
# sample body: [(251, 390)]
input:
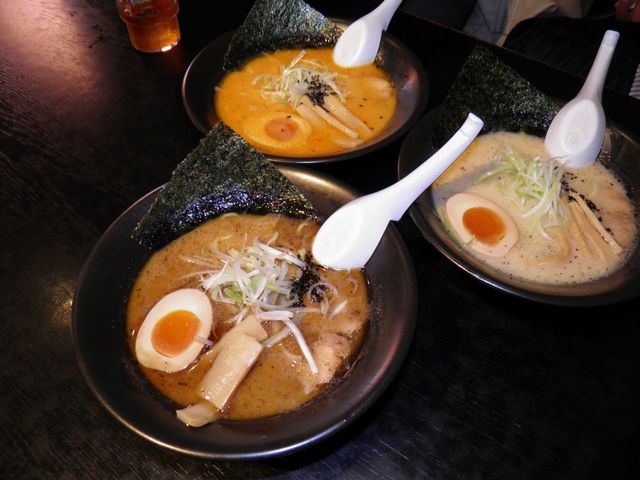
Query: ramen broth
[(280, 380), (246, 100), (535, 257)]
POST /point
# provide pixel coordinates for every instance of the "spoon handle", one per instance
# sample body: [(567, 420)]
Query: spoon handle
[(385, 11), (594, 83), (409, 188)]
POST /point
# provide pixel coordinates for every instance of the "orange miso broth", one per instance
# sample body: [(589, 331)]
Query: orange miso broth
[(299, 103), (280, 380)]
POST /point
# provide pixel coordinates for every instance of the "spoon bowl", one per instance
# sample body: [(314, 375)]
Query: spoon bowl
[(576, 133), (358, 45), (348, 238)]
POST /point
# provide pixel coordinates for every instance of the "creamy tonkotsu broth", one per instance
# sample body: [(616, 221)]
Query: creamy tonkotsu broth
[(286, 103), (559, 253), (280, 380)]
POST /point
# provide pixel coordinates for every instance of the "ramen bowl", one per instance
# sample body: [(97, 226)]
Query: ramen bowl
[(100, 338), (401, 66), (620, 154)]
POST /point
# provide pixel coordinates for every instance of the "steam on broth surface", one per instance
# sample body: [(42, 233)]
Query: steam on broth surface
[(333, 319), (301, 104), (573, 225)]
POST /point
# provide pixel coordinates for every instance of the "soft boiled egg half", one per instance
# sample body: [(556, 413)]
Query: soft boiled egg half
[(171, 335), (481, 224), (277, 130)]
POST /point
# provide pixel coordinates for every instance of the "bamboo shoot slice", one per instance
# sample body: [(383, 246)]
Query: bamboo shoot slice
[(586, 228), (342, 113), (606, 236), (198, 414), (309, 115), (250, 326), (575, 231), (347, 142), (330, 119), (229, 369)]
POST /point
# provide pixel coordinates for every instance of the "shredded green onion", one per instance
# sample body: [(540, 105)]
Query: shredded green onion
[(534, 183), (301, 77), (260, 280), (258, 276), (234, 293)]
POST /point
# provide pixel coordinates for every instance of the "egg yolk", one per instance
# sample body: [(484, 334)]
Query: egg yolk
[(484, 224), (174, 332), (281, 129)]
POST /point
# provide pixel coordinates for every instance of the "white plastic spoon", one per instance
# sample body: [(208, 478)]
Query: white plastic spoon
[(351, 234), (576, 133), (358, 44)]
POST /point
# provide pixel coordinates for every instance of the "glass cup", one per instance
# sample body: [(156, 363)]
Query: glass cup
[(152, 24)]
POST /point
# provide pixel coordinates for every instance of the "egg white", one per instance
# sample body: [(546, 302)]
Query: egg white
[(189, 299), (459, 203)]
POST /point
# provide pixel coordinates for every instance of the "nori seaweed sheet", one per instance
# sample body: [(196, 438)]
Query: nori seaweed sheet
[(223, 174), (278, 24), (495, 92)]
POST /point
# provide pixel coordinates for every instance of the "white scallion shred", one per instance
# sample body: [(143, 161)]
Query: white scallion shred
[(324, 306), (237, 318), (354, 285), (276, 315), (339, 308), (206, 341), (302, 344), (302, 225), (534, 183), (259, 280), (254, 277), (277, 338), (296, 80)]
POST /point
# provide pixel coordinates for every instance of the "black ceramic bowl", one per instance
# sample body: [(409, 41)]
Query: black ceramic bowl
[(623, 158), (99, 334), (402, 66)]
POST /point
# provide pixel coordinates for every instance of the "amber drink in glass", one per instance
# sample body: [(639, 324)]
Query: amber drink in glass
[(152, 24)]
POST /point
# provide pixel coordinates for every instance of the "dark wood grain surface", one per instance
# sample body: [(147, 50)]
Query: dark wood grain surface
[(493, 386)]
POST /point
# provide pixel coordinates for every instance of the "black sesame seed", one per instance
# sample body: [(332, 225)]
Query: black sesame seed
[(317, 90), (302, 284)]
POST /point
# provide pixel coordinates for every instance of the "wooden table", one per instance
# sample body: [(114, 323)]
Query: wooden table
[(493, 386)]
